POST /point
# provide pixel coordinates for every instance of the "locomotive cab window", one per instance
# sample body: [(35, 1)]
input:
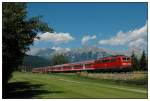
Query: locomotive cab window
[(125, 59)]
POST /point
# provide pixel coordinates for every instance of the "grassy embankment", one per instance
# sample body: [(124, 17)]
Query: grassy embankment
[(136, 78), (29, 85)]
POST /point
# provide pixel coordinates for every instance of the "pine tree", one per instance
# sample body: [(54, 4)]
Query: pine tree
[(143, 61), (135, 62)]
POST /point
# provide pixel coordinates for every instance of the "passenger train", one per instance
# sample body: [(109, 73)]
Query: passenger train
[(113, 63)]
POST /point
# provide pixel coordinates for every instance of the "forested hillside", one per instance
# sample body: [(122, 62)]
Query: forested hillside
[(35, 61)]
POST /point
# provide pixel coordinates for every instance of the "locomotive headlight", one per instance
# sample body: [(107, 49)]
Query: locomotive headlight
[(126, 63)]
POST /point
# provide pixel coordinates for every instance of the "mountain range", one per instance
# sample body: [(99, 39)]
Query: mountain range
[(42, 57)]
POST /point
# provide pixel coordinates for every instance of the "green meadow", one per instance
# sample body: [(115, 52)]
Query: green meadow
[(47, 86)]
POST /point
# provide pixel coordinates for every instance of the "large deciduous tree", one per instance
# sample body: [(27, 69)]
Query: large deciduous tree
[(18, 33)]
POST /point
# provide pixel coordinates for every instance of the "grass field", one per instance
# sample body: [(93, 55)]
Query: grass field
[(29, 85)]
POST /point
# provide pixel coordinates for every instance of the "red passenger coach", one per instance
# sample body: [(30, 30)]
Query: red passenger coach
[(113, 63)]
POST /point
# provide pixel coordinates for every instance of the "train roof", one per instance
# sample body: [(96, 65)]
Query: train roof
[(89, 61), (74, 63), (114, 56)]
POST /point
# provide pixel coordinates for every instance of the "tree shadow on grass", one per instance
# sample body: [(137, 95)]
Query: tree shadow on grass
[(26, 90)]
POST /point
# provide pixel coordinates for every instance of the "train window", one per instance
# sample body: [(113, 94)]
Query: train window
[(103, 60), (98, 61), (66, 67), (107, 60), (87, 64), (77, 66), (113, 60)]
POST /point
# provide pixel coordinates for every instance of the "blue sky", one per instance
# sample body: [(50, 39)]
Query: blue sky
[(106, 25)]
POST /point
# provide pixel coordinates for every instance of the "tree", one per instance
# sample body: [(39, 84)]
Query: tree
[(143, 61), (135, 62), (18, 33), (59, 59)]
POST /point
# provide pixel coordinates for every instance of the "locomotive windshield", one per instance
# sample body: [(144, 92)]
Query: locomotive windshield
[(125, 58)]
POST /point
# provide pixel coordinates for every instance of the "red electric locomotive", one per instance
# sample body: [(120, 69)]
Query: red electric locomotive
[(113, 63)]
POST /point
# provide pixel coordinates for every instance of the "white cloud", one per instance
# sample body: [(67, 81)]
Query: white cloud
[(56, 38), (42, 51), (60, 49), (138, 43), (34, 50), (134, 38), (85, 39), (56, 48)]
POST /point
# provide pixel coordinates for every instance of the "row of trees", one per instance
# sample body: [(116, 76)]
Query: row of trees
[(139, 64), (59, 59)]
